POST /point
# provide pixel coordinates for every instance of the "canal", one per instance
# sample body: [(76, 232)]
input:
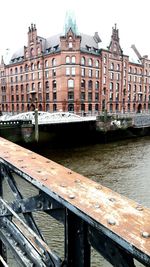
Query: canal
[(122, 166)]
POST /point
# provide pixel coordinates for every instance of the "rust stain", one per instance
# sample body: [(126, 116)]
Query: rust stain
[(122, 216)]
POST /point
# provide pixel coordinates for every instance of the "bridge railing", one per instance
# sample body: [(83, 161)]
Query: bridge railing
[(92, 215)]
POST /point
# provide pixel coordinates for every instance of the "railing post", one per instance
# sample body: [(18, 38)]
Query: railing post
[(77, 248), (3, 252)]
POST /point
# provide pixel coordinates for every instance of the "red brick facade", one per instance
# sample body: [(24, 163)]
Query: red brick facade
[(70, 73)]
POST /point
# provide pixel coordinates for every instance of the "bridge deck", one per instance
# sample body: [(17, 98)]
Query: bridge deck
[(124, 221)]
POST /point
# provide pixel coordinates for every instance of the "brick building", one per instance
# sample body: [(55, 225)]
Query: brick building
[(72, 72)]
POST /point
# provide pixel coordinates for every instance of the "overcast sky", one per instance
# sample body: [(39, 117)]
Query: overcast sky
[(131, 16)]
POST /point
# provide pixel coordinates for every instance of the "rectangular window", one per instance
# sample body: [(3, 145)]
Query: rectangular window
[(26, 77), (39, 75), (83, 72), (97, 73), (67, 71), (11, 79), (22, 98), (54, 96), (96, 96), (73, 71), (46, 74), (47, 96), (82, 96), (90, 96), (90, 73)]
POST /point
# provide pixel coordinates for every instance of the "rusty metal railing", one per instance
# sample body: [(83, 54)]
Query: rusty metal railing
[(92, 215)]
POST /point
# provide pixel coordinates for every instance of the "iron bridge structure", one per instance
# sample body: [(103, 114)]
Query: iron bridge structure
[(93, 216)]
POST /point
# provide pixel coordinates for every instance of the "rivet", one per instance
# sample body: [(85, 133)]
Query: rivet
[(69, 172), (111, 221), (112, 199), (63, 185), (139, 207), (98, 187), (77, 181), (145, 234), (72, 196), (96, 206), (44, 179)]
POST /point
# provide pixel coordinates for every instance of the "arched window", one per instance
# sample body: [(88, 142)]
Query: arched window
[(105, 59), (26, 67), (33, 86), (82, 83), (47, 107), (70, 83), (39, 86), (53, 62), (67, 60), (73, 60), (32, 66), (46, 63), (27, 88), (16, 70), (117, 87), (38, 65), (111, 86), (20, 69), (118, 67), (90, 62), (83, 61), (11, 71), (97, 63), (32, 52), (90, 84), (47, 85), (97, 85), (130, 70)]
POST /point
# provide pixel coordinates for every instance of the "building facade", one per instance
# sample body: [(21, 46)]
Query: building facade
[(70, 72)]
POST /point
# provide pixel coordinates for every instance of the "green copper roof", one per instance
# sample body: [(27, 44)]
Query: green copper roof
[(70, 22)]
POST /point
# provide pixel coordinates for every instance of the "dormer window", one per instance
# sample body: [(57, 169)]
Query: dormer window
[(70, 45)]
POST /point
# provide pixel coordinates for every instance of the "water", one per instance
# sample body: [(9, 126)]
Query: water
[(122, 166)]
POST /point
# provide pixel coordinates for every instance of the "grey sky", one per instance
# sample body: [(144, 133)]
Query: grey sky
[(131, 16)]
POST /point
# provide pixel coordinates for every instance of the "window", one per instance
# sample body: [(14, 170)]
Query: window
[(67, 71), (32, 76), (33, 86), (90, 62), (105, 59), (53, 62), (83, 84), (90, 84), (90, 73), (16, 79), (67, 60), (32, 52), (83, 72), (32, 66), (46, 74), (117, 87), (39, 75), (26, 67), (82, 96), (70, 44), (47, 96), (97, 85), (111, 75), (83, 61), (16, 70), (38, 65), (90, 96), (104, 70), (96, 96), (73, 60), (97, 63), (55, 96), (11, 71), (111, 86), (20, 69), (27, 88), (70, 83), (70, 95), (54, 72), (21, 78), (112, 66), (118, 76), (97, 73), (46, 63), (47, 85), (118, 67), (54, 84), (22, 89), (39, 86), (73, 71)]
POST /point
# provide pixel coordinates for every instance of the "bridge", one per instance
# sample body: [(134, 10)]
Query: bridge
[(92, 215), (45, 118)]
